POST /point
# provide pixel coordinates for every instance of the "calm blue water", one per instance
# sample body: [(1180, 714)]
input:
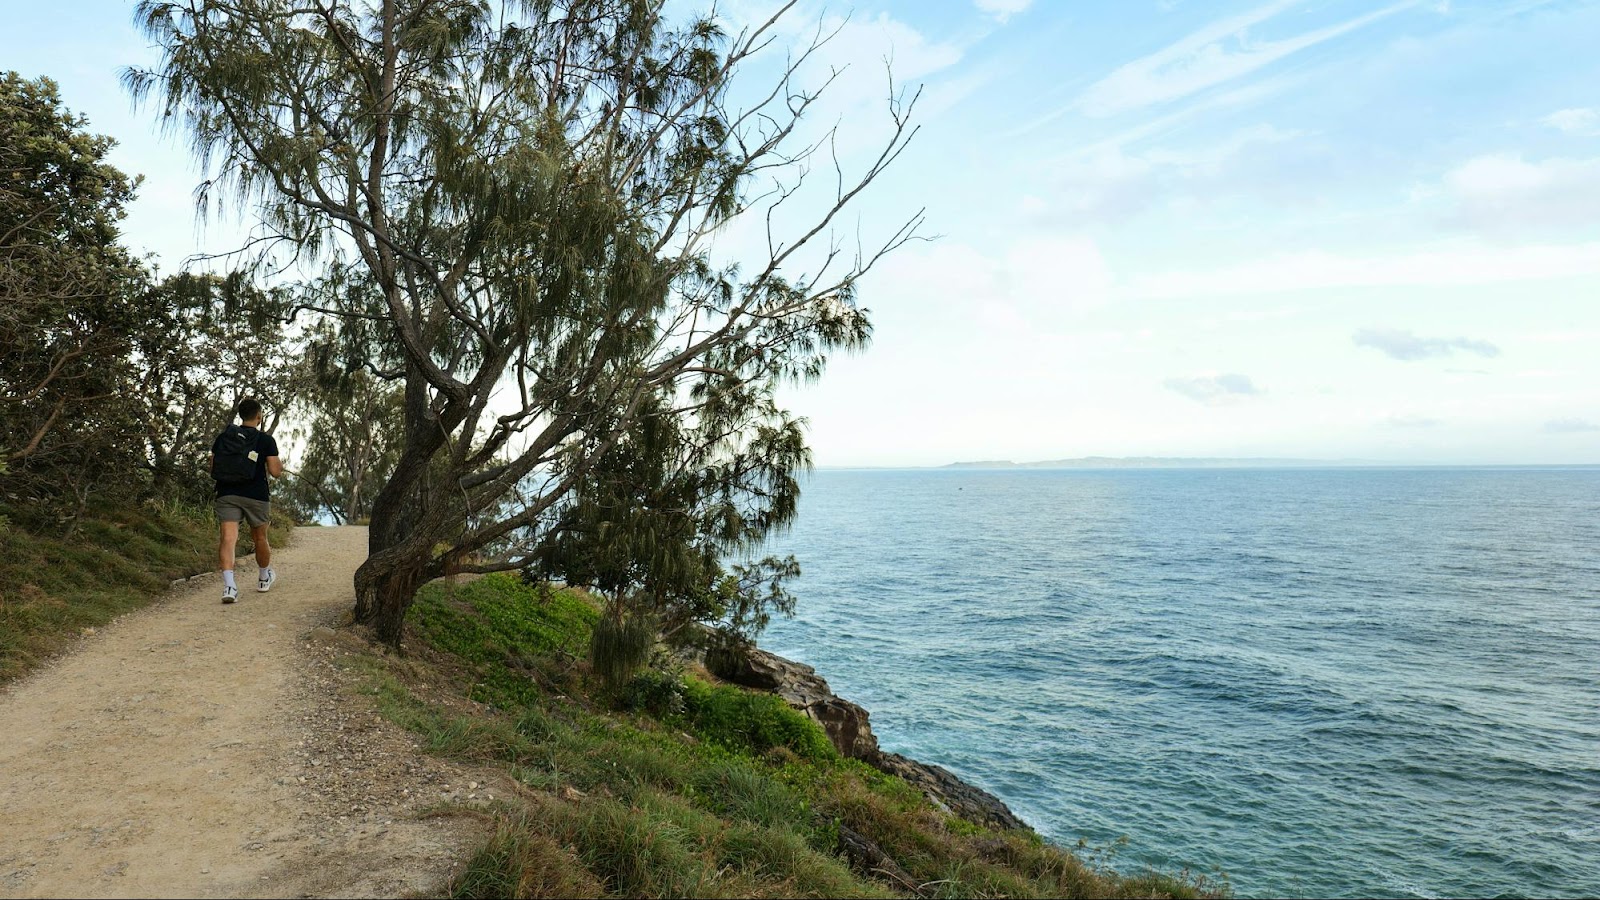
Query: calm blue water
[(1340, 682)]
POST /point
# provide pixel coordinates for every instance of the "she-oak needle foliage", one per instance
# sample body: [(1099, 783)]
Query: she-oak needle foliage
[(514, 201)]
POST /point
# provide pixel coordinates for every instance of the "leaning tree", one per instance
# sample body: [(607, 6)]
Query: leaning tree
[(530, 191)]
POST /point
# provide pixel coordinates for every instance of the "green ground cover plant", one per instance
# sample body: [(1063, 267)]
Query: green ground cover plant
[(676, 786)]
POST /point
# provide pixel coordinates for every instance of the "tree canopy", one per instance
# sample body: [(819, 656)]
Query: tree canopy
[(68, 290), (514, 205)]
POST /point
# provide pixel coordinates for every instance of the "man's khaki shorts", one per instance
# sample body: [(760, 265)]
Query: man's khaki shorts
[(255, 513)]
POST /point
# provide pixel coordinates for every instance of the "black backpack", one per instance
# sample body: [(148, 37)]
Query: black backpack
[(233, 464)]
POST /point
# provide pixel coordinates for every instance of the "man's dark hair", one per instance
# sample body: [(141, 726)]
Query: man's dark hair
[(248, 409)]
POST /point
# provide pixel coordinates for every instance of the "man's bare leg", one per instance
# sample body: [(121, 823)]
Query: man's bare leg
[(230, 537), (258, 534), (263, 558)]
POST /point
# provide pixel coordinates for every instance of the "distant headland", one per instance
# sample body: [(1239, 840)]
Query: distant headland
[(1161, 462)]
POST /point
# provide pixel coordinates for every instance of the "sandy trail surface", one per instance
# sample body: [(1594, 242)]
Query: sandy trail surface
[(193, 749)]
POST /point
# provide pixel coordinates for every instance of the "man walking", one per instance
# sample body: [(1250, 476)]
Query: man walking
[(242, 457)]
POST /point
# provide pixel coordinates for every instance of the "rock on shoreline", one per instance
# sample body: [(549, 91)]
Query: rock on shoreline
[(848, 725)]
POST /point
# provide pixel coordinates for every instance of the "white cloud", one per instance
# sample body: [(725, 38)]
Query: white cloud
[(1409, 347), (859, 56), (1218, 53), (1461, 265), (1209, 160), (914, 56), (1411, 420), (1496, 192), (1109, 183), (1001, 10), (1569, 426), (855, 60), (1036, 284), (1582, 121), (1214, 389)]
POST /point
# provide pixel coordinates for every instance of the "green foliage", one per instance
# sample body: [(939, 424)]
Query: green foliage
[(203, 348), (68, 299), (746, 720), (620, 646), (627, 805), (508, 629), (740, 791), (549, 249), (661, 694), (112, 383), (521, 862), (512, 616), (655, 515), (656, 845), (350, 423)]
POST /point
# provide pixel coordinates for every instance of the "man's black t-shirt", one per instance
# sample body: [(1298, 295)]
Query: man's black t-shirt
[(255, 488)]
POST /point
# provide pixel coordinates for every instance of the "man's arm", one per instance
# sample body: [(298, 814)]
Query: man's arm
[(275, 467)]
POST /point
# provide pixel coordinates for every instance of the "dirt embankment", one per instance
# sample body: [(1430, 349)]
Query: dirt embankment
[(200, 750)]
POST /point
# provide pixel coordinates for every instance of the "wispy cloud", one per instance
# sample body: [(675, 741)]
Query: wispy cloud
[(1468, 264), (1218, 53), (1411, 420), (1409, 347), (1112, 184), (1569, 426), (1214, 389), (1499, 191), (1001, 10), (1234, 98), (1037, 284), (1582, 121)]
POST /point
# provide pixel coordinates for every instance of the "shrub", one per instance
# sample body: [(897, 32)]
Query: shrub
[(620, 646), (658, 693), (744, 720)]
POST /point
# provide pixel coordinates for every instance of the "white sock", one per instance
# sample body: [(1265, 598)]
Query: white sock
[(266, 573), (227, 578)]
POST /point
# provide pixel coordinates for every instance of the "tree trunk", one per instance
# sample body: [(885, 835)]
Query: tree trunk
[(162, 472), (384, 594), (401, 541), (400, 535), (394, 509)]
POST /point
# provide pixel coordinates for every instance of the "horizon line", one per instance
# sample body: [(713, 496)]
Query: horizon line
[(1205, 462)]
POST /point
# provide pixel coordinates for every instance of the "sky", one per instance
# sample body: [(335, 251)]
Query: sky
[(1322, 229)]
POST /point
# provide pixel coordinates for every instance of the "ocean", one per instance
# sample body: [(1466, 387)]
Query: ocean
[(1322, 682)]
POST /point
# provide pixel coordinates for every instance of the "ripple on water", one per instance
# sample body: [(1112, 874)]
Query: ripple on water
[(1326, 683)]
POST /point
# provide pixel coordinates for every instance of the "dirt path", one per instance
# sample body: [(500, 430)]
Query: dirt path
[(194, 749)]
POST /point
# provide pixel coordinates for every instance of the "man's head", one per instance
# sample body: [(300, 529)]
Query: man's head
[(249, 411)]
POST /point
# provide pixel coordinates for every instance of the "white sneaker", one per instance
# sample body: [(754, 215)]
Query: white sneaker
[(230, 594), (265, 580)]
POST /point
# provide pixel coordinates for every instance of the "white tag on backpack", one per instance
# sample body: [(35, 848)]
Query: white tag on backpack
[(253, 456)]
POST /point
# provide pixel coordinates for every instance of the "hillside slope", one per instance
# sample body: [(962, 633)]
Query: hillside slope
[(258, 750)]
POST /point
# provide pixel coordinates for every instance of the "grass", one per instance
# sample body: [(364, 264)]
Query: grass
[(668, 786), (674, 786), (59, 577)]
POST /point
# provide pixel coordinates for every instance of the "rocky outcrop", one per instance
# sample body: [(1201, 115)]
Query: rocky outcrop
[(848, 726), (944, 788), (846, 723)]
